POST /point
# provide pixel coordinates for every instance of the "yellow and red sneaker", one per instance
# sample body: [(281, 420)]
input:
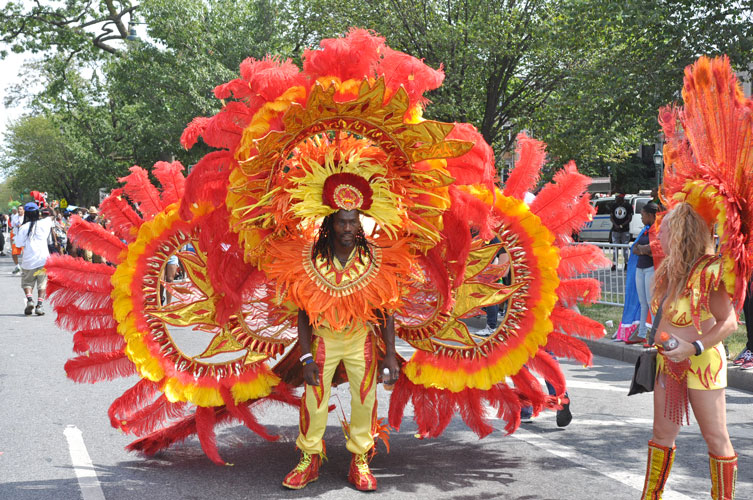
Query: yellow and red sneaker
[(360, 475), (307, 471)]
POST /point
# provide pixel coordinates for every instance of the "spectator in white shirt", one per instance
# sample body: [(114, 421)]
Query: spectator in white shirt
[(32, 236)]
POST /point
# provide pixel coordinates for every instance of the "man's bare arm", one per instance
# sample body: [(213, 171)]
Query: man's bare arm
[(387, 327), (310, 370)]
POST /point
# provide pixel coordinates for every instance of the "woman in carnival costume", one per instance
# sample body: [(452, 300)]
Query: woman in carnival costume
[(709, 155), (292, 148)]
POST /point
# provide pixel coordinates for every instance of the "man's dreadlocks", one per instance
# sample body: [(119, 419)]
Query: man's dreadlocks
[(325, 241)]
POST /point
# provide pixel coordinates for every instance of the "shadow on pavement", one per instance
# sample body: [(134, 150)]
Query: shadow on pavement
[(411, 468)]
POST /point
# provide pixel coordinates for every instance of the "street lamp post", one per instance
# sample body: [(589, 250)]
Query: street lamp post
[(659, 164)]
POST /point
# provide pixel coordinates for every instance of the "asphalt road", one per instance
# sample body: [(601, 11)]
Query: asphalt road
[(51, 427)]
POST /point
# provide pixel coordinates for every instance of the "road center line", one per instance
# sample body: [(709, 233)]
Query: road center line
[(82, 465), (627, 478)]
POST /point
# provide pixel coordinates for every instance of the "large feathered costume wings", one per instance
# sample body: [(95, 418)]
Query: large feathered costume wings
[(292, 146)]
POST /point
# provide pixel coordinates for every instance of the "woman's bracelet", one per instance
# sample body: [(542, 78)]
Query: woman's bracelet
[(698, 347)]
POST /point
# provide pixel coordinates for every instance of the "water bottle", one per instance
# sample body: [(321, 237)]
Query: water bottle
[(667, 341)]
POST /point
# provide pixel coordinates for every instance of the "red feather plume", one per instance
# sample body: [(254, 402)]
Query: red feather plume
[(170, 175), (225, 129), (580, 290), (121, 218), (572, 323), (531, 389), (193, 131), (188, 426), (77, 274), (546, 366), (473, 413), (353, 57), (579, 259), (401, 69), (97, 367), (243, 413), (564, 346), (268, 79), (71, 317), (153, 415), (97, 239), (205, 421), (469, 208), (561, 196), (477, 165), (131, 401), (207, 182), (142, 192), (81, 299), (508, 406), (105, 340), (525, 175), (582, 211), (457, 243)]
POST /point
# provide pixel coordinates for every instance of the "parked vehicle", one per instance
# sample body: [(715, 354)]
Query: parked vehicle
[(598, 229)]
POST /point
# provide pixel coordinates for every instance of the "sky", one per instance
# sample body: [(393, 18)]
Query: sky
[(9, 68)]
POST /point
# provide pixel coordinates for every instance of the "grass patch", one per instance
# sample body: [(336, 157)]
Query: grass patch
[(603, 313)]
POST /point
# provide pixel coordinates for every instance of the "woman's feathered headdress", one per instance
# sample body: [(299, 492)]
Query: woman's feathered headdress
[(709, 161)]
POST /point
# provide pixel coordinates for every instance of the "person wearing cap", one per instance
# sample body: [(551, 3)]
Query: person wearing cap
[(620, 214), (32, 237), (91, 214)]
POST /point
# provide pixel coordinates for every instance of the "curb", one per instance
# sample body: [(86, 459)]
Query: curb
[(736, 378)]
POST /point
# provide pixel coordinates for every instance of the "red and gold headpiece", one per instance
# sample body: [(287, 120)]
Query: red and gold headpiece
[(348, 192), (346, 174)]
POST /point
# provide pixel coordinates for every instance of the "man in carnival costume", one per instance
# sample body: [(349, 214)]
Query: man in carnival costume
[(341, 248), (287, 286)]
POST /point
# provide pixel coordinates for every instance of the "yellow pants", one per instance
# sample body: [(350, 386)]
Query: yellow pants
[(356, 351)]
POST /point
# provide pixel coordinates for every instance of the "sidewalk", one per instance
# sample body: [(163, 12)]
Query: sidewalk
[(736, 378)]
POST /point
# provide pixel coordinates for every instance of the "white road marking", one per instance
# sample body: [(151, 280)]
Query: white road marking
[(627, 478), (82, 465), (597, 386), (592, 386), (622, 422)]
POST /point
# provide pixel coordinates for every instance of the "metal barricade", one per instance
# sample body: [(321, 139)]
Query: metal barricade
[(612, 279)]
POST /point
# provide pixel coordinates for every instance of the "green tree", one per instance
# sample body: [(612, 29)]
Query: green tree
[(630, 62), (587, 76), (502, 59), (39, 155)]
